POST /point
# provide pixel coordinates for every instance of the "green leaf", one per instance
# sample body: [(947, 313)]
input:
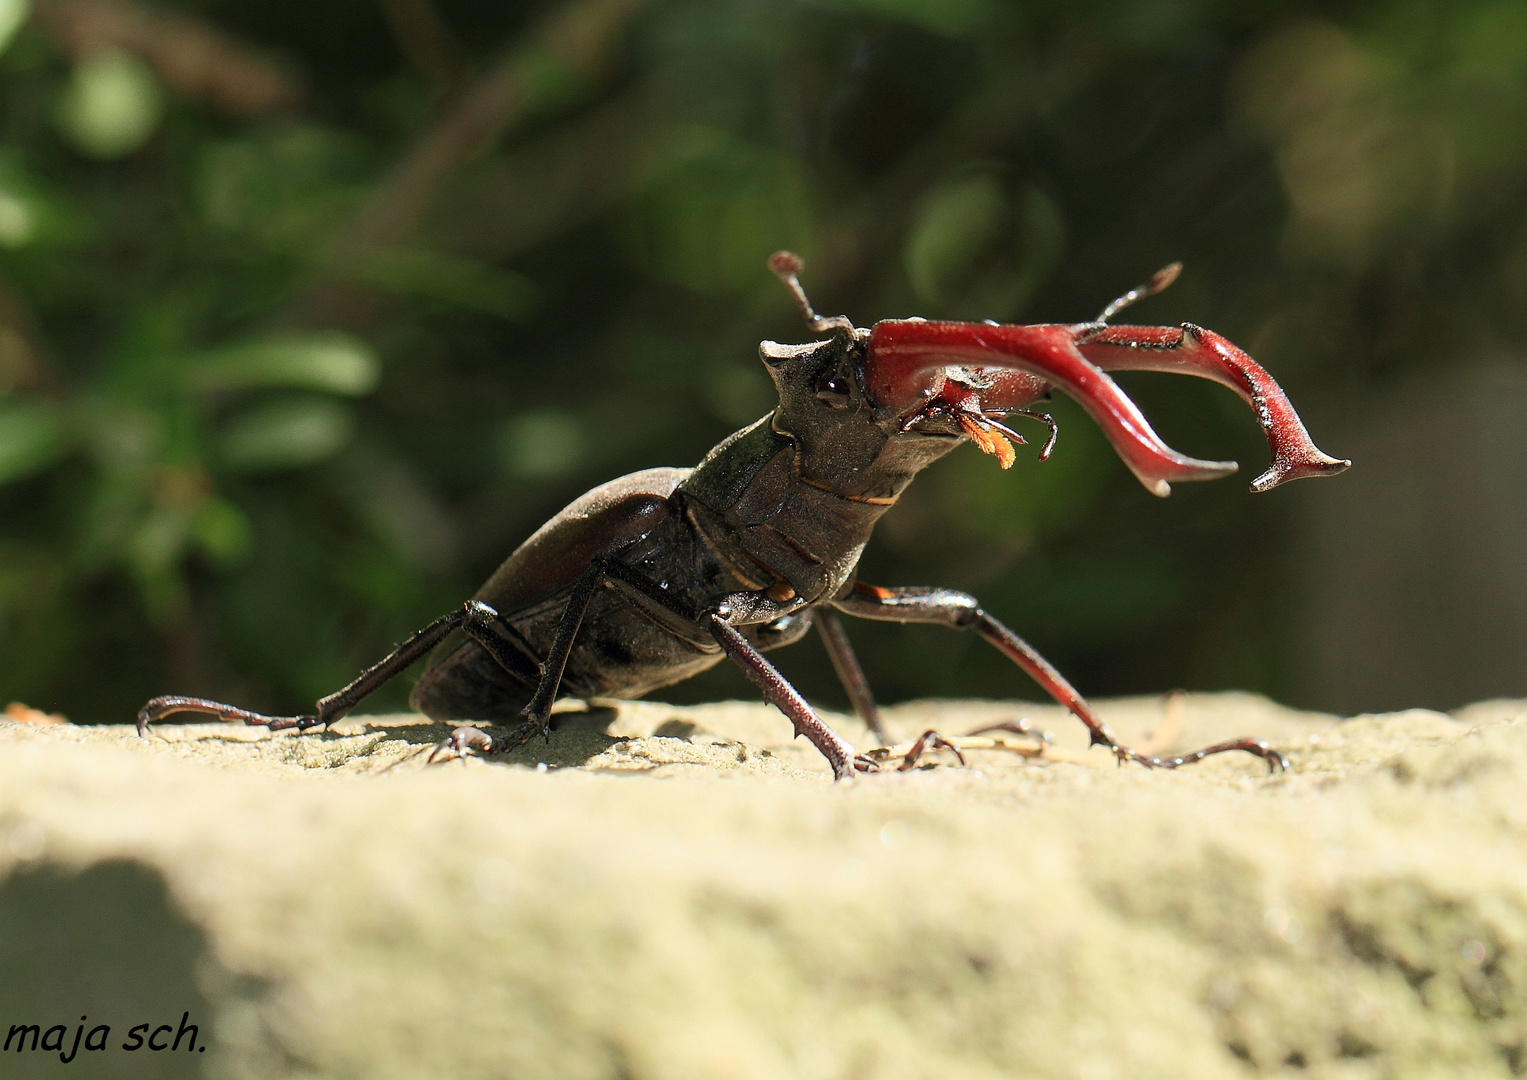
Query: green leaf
[(1492, 34), (541, 445), (32, 437), (286, 434), (953, 228), (18, 224), (223, 531), (153, 557), (112, 106), (459, 282), (548, 79), (13, 13), (330, 362), (976, 252), (281, 190), (710, 222)]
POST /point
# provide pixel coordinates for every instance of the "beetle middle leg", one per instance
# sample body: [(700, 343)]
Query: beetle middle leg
[(960, 610), (537, 711)]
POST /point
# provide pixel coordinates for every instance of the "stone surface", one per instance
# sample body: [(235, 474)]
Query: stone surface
[(681, 893)]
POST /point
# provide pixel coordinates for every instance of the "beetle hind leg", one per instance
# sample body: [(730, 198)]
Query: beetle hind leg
[(177, 703), (850, 674), (472, 617)]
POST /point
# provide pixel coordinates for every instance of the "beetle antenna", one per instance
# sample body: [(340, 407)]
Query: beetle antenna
[(787, 266), (1159, 280)]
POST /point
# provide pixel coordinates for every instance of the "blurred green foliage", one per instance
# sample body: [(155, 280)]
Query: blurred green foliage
[(310, 313)]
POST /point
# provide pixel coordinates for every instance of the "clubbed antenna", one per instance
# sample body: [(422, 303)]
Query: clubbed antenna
[(1159, 280), (787, 266)]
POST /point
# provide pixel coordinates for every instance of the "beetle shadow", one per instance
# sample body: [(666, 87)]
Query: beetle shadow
[(577, 736)]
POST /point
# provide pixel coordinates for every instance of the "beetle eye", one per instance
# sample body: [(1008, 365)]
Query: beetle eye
[(834, 391)]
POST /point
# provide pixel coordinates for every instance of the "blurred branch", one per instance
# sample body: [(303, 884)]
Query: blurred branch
[(507, 204), (191, 56), (561, 55), (427, 41)]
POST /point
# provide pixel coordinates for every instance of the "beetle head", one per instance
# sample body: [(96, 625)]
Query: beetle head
[(853, 438), (844, 441), (914, 388)]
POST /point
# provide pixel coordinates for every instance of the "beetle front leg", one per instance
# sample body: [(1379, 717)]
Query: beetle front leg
[(961, 610), (843, 758)]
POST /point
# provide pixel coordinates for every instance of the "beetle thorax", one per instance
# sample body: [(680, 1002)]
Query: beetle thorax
[(794, 497)]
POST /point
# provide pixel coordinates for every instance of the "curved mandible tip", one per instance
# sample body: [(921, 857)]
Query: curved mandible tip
[(1192, 350)]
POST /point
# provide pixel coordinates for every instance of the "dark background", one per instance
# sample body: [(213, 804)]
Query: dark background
[(310, 313)]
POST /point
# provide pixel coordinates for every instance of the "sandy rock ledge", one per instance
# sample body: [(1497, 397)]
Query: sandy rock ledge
[(668, 892)]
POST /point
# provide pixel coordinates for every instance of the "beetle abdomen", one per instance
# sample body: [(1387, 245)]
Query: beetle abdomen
[(468, 684), (462, 682)]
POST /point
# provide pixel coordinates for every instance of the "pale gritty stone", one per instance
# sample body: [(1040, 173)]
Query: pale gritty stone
[(681, 892)]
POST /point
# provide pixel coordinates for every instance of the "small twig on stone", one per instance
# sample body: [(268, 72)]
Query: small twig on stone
[(1171, 724), (962, 744)]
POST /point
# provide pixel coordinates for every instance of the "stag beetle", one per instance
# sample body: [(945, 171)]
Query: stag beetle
[(654, 577)]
